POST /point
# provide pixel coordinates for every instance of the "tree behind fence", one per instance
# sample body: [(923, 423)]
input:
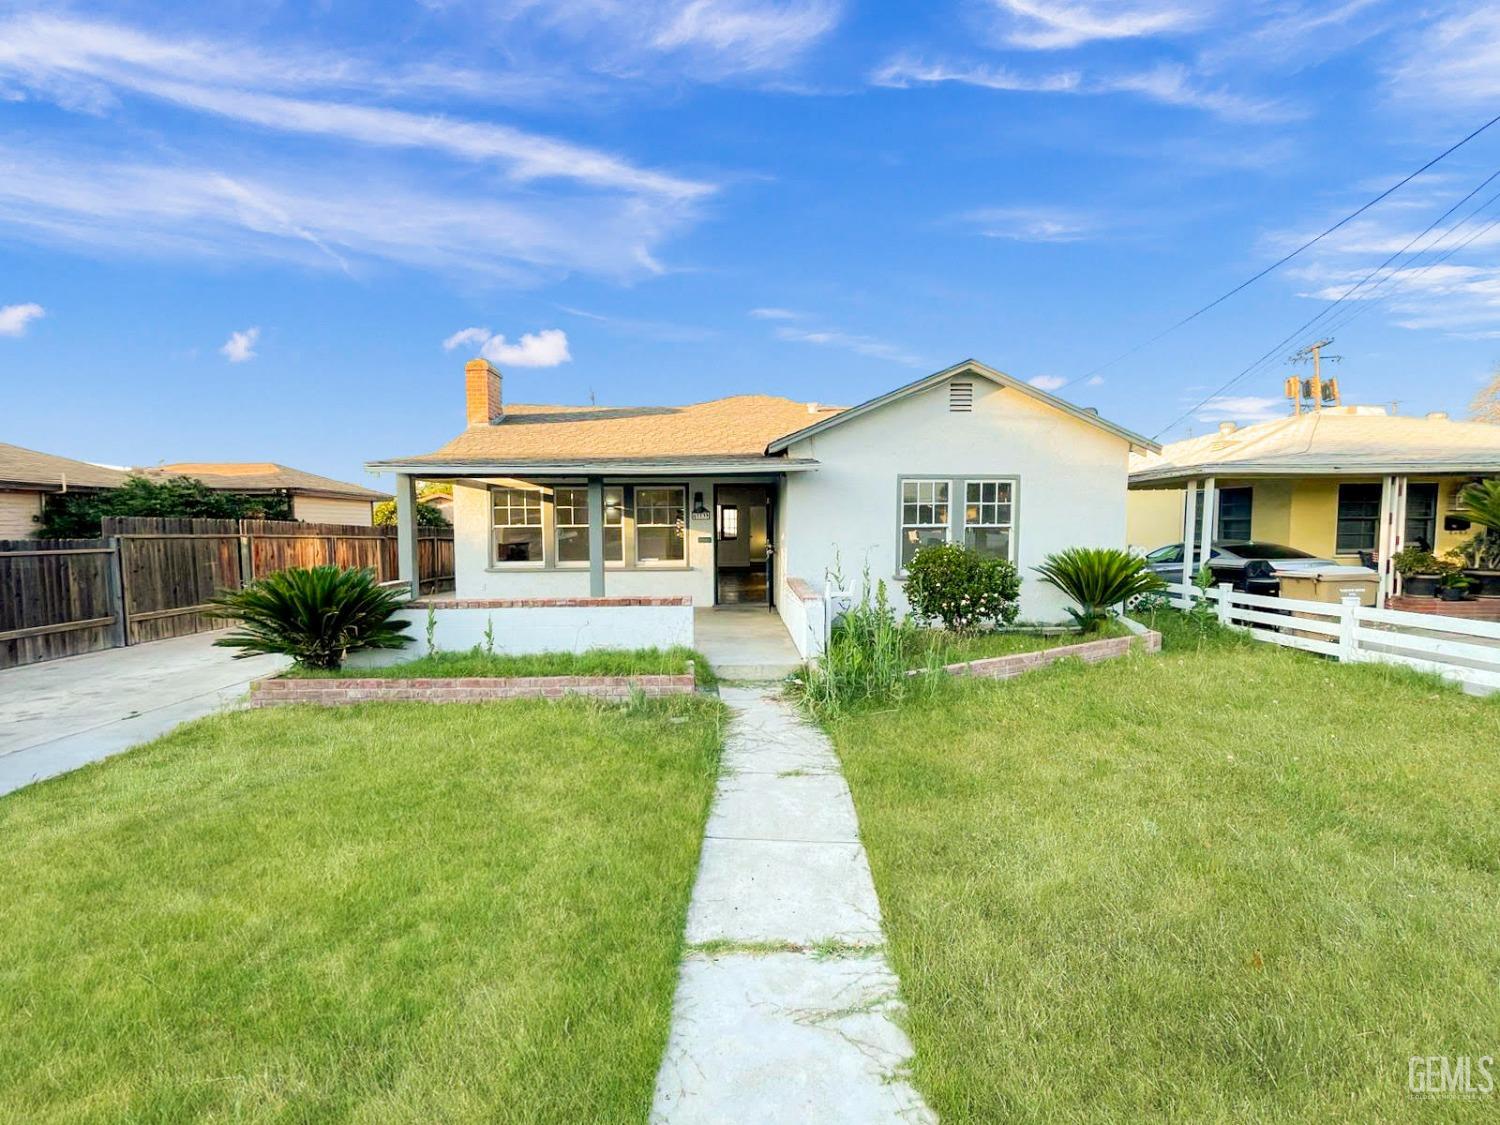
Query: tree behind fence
[(149, 577)]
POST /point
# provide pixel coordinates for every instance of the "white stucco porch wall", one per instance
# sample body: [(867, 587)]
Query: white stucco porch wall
[(1071, 487), (476, 578)]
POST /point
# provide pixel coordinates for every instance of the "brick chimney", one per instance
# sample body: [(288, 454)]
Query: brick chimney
[(482, 393)]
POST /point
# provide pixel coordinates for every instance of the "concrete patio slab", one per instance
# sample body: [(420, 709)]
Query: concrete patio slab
[(745, 642), (790, 1036), (61, 714), (786, 1038)]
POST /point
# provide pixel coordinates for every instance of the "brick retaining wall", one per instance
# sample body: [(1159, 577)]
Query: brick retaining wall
[(279, 691), (1091, 652)]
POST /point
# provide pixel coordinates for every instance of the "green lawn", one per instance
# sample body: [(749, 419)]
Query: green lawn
[(1227, 883), (382, 913), (476, 662)]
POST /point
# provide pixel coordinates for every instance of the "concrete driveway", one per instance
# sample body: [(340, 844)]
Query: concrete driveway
[(61, 714)]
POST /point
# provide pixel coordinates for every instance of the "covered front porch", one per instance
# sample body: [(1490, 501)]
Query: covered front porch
[(630, 543)]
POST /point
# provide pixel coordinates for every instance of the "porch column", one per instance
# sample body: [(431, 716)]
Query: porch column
[(407, 565), (1189, 516), (1210, 522), (1391, 536), (596, 537)]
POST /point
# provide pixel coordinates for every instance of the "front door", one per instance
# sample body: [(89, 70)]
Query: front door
[(743, 549)]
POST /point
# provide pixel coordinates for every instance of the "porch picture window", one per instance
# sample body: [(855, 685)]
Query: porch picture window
[(924, 516), (660, 525), (518, 525), (987, 517), (1358, 518), (572, 518), (1421, 515)]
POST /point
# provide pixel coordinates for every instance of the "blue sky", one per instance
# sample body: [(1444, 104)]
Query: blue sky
[(247, 231)]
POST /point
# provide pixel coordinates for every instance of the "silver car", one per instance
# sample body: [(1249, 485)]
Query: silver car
[(1248, 565)]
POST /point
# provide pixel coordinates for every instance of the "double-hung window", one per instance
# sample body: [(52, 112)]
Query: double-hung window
[(572, 520), (1236, 506), (1358, 518), (518, 525), (987, 517), (924, 516), (660, 525)]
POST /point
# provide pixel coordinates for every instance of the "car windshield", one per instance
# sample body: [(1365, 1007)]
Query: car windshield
[(1266, 551)]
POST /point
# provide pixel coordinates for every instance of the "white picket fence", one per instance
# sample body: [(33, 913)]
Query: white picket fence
[(1455, 648)]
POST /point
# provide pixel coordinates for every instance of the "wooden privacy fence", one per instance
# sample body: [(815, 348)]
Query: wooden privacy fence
[(1455, 648), (150, 578)]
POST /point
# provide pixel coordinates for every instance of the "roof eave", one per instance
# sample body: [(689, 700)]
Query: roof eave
[(708, 466), (969, 366), (1185, 473)]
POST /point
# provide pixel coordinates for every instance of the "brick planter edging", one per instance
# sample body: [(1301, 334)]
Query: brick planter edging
[(276, 691), (1090, 652), (625, 602)]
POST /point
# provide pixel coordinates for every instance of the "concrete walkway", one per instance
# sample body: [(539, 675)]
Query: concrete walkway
[(61, 714), (745, 642), (805, 1033)]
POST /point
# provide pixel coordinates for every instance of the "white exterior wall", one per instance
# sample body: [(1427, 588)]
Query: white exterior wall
[(18, 512), (522, 630), (325, 509), (476, 578), (1070, 491)]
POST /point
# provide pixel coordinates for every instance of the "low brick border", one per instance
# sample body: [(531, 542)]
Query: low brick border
[(1090, 652), (279, 691)]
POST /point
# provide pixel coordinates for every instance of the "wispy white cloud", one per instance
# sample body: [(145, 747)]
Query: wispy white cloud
[(1454, 62), (83, 199), (47, 55), (547, 348), (1167, 84), (1241, 408), (240, 347), (1094, 381), (1051, 24), (15, 318), (775, 314), (744, 35), (851, 342), (664, 331), (1030, 224), (1048, 382)]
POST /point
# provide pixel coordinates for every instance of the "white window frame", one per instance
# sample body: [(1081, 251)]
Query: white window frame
[(1009, 526), (945, 524), (507, 493), (558, 526), (680, 524)]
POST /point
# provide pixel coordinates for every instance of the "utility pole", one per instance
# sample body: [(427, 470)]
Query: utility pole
[(1312, 389)]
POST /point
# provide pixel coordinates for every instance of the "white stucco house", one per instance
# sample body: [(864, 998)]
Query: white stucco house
[(582, 511)]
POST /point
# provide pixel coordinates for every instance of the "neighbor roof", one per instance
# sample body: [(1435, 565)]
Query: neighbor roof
[(262, 476), (1335, 441), (735, 428), (44, 471)]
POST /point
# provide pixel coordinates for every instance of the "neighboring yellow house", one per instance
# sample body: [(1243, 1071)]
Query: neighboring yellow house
[(1347, 482)]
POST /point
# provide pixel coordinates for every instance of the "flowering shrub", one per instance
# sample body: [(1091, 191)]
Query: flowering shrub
[(962, 588)]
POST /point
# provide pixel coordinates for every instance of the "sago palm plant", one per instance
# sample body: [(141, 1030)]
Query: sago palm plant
[(315, 615), (1097, 579)]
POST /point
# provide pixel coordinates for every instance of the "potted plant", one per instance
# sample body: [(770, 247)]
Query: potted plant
[(1454, 585), (1420, 571)]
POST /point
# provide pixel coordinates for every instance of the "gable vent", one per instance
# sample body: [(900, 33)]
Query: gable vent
[(960, 398)]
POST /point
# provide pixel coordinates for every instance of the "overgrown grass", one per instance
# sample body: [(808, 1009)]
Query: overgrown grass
[(1228, 883), (388, 912), (477, 662)]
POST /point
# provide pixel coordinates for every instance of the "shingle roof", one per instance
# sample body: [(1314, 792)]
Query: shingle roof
[(737, 427), (258, 476), (1327, 442), (20, 466)]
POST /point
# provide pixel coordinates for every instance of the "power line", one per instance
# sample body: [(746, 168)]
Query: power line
[(1360, 284), (1288, 257)]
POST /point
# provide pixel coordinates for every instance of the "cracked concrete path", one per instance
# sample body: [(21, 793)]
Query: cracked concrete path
[(786, 1007)]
